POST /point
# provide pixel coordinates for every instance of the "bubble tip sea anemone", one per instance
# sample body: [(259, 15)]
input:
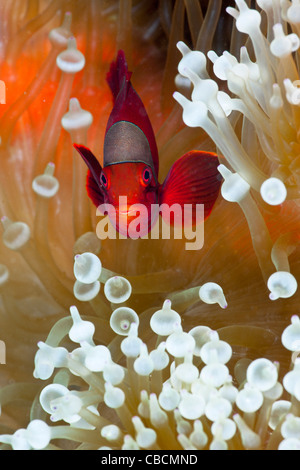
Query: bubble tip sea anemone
[(256, 133), (209, 411)]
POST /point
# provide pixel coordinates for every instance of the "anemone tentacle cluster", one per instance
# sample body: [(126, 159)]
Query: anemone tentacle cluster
[(254, 125), (179, 395), (176, 384)]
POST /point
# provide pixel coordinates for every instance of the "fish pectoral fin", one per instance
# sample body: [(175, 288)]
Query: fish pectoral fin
[(192, 179), (90, 160), (93, 187)]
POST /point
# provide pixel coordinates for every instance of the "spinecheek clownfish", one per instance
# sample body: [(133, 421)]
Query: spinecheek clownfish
[(130, 161)]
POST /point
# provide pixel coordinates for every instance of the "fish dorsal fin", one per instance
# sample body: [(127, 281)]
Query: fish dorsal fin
[(118, 74), (128, 105)]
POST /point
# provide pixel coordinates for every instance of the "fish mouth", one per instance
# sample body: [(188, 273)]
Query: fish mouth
[(126, 212), (134, 211), (125, 217)]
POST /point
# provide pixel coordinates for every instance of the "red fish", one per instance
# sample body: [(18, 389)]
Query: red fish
[(130, 162)]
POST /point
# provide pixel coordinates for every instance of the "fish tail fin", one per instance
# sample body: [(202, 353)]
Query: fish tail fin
[(118, 74)]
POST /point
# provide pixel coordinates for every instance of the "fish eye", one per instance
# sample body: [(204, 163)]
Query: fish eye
[(146, 176), (103, 180)]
